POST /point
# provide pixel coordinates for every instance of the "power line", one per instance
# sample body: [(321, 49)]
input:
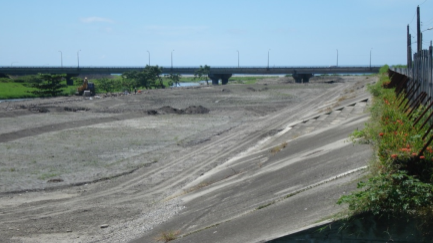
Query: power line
[(413, 18)]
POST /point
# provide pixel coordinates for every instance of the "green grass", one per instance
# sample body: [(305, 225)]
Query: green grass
[(264, 206), (249, 80), (13, 90), (47, 175), (167, 236)]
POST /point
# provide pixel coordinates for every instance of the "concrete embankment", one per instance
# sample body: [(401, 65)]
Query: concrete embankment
[(286, 176)]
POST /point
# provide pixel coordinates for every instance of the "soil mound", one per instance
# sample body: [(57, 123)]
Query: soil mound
[(152, 112), (170, 110), (39, 109), (75, 109), (196, 110), (257, 90)]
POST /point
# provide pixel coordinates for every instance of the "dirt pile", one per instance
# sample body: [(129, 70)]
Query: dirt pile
[(170, 110)]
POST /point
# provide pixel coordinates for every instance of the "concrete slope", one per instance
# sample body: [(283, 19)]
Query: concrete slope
[(288, 179)]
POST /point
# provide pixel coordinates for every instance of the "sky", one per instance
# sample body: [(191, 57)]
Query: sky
[(205, 32)]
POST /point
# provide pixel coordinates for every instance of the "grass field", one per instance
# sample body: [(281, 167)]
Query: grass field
[(13, 90)]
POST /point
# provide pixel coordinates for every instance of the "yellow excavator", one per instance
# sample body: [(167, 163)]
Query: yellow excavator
[(86, 86)]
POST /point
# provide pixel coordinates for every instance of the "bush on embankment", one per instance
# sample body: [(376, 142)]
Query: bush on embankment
[(401, 178)]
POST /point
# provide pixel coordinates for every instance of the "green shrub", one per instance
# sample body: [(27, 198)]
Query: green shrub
[(383, 69), (401, 178)]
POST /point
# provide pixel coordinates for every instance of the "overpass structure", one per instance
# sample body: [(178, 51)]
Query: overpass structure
[(300, 74)]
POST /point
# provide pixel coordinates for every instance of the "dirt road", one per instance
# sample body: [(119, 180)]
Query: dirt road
[(111, 169)]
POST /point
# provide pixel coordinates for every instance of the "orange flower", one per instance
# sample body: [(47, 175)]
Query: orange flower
[(381, 134), (422, 157), (414, 154), (394, 156)]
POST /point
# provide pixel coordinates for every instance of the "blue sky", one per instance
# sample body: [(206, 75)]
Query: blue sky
[(295, 33)]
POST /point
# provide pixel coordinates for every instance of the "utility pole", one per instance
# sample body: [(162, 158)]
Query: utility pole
[(409, 49), (268, 57), (418, 31), (78, 58), (337, 57), (431, 63), (238, 59), (370, 57), (172, 59)]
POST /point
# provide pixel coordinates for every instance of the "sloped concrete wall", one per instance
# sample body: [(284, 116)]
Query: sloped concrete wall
[(366, 228)]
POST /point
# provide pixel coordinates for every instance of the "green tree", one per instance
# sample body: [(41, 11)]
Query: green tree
[(202, 72), (106, 84), (154, 76), (49, 86), (174, 79), (129, 80), (28, 79), (77, 80), (149, 77)]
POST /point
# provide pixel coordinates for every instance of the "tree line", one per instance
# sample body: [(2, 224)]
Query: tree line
[(148, 78)]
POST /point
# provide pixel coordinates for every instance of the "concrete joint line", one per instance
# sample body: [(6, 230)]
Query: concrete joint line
[(327, 180), (280, 199), (315, 185)]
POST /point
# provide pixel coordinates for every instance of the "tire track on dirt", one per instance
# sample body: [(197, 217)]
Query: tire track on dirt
[(7, 137), (276, 121)]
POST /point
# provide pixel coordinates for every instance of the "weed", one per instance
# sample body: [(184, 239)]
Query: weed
[(264, 206), (278, 148), (359, 136), (45, 176), (168, 236), (197, 187)]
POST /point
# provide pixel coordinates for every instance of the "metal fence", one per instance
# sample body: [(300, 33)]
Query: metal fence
[(419, 74)]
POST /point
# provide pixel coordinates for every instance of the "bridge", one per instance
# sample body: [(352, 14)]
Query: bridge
[(300, 74)]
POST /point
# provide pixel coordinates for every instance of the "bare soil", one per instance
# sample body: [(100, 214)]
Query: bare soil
[(75, 169)]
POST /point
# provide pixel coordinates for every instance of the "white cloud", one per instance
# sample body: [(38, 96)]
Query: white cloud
[(96, 19)]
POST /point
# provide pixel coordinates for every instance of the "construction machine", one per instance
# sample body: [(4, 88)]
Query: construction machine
[(86, 86)]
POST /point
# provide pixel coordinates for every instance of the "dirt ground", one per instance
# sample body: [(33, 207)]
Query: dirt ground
[(75, 169)]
